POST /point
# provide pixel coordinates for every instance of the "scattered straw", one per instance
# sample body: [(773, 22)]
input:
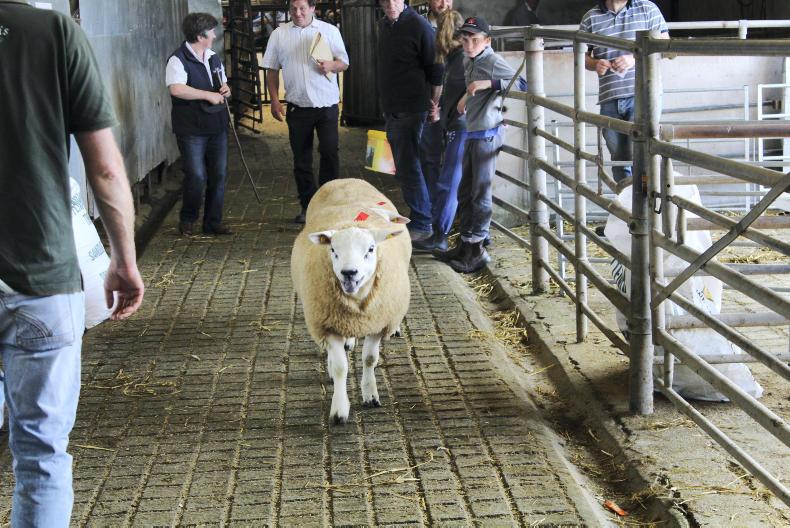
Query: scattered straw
[(131, 386), (405, 476), (167, 280), (82, 446)]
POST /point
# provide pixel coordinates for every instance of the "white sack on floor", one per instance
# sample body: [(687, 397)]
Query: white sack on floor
[(706, 294), (92, 257)]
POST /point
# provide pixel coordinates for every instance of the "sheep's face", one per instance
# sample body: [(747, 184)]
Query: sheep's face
[(353, 254)]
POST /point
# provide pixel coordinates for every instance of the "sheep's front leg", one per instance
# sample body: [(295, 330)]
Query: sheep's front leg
[(337, 364), (370, 358)]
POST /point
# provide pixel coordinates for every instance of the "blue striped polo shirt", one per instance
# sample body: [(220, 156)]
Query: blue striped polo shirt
[(637, 15)]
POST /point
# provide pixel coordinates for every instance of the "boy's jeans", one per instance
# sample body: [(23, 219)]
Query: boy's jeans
[(474, 194), (444, 189), (40, 343), (619, 145), (404, 130)]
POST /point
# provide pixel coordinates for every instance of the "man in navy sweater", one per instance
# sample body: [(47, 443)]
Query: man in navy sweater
[(409, 82)]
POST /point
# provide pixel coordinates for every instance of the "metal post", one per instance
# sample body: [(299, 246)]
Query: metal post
[(743, 28), (658, 178), (580, 176), (538, 212), (561, 260), (640, 378)]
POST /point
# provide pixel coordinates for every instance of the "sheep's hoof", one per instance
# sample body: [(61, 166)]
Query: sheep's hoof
[(350, 343), (398, 333), (372, 403), (338, 420)]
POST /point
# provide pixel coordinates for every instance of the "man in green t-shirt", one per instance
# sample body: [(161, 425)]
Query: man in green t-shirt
[(51, 88)]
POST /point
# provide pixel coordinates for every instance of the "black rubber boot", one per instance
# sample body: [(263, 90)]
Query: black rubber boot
[(448, 255), (472, 259)]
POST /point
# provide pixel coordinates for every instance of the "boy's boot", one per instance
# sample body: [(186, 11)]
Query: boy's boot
[(472, 259), (448, 255)]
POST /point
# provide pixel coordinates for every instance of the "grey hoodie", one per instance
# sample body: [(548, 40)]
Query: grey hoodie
[(484, 109)]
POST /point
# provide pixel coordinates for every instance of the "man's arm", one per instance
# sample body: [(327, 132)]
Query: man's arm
[(273, 84), (107, 176)]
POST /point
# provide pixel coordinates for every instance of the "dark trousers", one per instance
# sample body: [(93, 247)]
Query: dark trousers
[(302, 122), (403, 133), (474, 194), (205, 160)]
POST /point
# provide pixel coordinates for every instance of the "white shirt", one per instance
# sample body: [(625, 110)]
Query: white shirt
[(289, 50), (175, 73)]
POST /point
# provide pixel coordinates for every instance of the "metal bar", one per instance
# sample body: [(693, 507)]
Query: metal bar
[(748, 129), (618, 125), (604, 203), (556, 141), (615, 339), (728, 359), (729, 237), (559, 281), (611, 293), (510, 207), (538, 215), (707, 24), (511, 179), (728, 445), (745, 269), (514, 123), (719, 46), (738, 281), (765, 222), (580, 177), (738, 170), (728, 223), (640, 367), (772, 422), (522, 242), (730, 319)]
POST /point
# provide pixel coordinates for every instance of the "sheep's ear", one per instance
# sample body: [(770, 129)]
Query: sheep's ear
[(392, 216), (321, 237), (380, 235)]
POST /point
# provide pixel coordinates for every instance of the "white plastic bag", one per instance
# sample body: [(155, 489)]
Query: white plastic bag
[(93, 259), (706, 294)]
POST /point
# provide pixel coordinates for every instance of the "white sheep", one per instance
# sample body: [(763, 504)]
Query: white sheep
[(350, 268)]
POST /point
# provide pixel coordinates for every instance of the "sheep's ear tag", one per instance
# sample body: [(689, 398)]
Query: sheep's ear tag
[(361, 217)]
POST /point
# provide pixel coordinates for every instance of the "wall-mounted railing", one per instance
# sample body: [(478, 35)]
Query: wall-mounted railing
[(658, 221)]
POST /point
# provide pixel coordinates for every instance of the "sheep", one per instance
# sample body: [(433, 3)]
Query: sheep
[(350, 268)]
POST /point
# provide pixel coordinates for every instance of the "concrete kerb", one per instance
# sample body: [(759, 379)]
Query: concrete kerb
[(574, 388), (586, 505)]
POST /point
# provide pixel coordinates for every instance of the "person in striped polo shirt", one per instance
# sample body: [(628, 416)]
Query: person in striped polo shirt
[(615, 68)]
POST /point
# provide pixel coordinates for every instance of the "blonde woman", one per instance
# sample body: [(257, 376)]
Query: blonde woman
[(444, 190)]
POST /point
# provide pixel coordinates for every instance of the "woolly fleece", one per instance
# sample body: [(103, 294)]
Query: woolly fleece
[(327, 309)]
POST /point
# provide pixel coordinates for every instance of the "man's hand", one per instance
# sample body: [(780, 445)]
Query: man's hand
[(476, 86), (277, 109), (623, 63), (434, 112), (461, 107), (326, 67), (128, 284), (215, 98), (224, 90), (602, 66)]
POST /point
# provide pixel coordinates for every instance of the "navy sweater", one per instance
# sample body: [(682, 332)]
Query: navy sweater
[(406, 65)]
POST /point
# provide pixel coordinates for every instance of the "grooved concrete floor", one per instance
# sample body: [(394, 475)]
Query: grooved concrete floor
[(210, 406)]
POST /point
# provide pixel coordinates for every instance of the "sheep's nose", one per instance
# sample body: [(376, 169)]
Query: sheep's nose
[(348, 274)]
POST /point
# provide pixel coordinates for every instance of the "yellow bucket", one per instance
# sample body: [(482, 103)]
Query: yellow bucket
[(379, 154)]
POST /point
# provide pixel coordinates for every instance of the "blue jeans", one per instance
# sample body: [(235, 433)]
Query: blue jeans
[(444, 188), (40, 344), (403, 133), (474, 193), (619, 145), (205, 160), (431, 146)]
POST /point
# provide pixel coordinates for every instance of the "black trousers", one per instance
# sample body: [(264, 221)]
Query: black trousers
[(302, 122)]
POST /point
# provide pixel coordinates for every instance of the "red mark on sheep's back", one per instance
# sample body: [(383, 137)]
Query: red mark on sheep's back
[(382, 203), (361, 217)]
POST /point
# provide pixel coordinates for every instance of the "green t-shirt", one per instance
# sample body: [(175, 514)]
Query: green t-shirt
[(50, 87)]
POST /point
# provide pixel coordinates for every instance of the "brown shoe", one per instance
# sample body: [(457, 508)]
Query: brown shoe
[(219, 230), (186, 228)]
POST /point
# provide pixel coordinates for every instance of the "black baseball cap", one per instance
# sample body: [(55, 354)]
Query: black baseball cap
[(476, 25)]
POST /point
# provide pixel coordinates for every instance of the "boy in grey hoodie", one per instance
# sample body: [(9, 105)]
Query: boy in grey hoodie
[(487, 76)]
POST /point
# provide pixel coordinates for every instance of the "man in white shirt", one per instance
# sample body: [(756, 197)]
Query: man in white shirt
[(311, 94), (196, 81)]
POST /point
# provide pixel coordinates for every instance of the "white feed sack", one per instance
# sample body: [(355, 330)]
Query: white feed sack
[(706, 294)]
